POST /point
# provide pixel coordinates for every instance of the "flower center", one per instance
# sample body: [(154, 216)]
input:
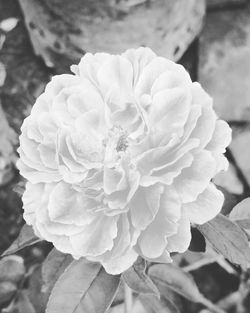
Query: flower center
[(122, 143), (115, 144)]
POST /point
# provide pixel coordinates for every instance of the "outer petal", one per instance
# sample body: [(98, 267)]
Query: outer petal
[(122, 255), (97, 237), (153, 70), (153, 240), (89, 65), (221, 137), (171, 108), (31, 201), (206, 123), (120, 264), (206, 207), (36, 176), (145, 205), (67, 206), (193, 180), (116, 72), (180, 241), (139, 58)]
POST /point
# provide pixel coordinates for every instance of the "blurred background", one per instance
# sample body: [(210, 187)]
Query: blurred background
[(40, 38)]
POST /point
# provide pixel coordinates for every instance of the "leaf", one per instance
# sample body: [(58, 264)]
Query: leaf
[(53, 266), (198, 243), (35, 294), (176, 279), (7, 291), (83, 287), (228, 239), (241, 214), (137, 307), (26, 238), (155, 305), (12, 269), (22, 304), (137, 279)]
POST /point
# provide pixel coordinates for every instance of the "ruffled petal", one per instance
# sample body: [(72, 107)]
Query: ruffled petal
[(153, 70), (116, 72), (139, 58), (97, 237), (206, 207), (170, 107), (145, 205), (180, 241), (153, 240), (67, 206), (193, 180), (222, 137), (206, 123)]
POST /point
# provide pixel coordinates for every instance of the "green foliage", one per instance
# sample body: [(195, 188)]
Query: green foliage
[(53, 267), (177, 280), (228, 239), (21, 304), (154, 305), (137, 279), (26, 238), (83, 287), (241, 214), (12, 269), (7, 291)]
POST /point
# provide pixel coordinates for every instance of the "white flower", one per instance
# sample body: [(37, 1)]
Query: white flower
[(119, 159)]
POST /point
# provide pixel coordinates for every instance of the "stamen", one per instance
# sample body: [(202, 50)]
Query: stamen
[(122, 143)]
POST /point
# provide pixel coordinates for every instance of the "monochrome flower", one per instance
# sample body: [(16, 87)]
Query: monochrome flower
[(119, 158)]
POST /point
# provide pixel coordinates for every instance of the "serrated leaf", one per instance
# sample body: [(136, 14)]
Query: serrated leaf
[(198, 243), (228, 239), (83, 287), (26, 238), (53, 266), (241, 214), (137, 279), (177, 280), (155, 305), (12, 269)]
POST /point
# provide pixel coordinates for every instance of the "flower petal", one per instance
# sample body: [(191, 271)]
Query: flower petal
[(193, 180), (68, 206), (97, 237), (145, 205), (180, 241), (139, 58), (222, 137), (206, 207), (153, 240)]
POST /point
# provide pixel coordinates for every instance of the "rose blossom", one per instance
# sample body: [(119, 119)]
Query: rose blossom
[(119, 158)]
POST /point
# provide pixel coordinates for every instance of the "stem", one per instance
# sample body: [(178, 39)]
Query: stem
[(206, 261), (214, 308), (128, 302)]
